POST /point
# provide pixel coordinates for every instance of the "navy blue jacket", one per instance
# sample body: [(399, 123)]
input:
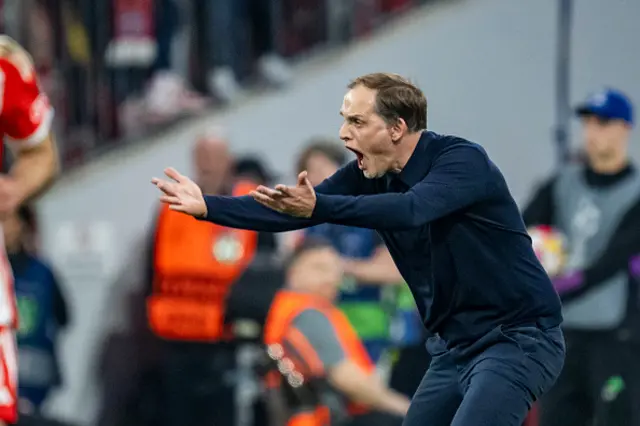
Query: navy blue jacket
[(451, 226)]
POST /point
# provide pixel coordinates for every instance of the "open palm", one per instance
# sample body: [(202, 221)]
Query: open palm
[(181, 193)]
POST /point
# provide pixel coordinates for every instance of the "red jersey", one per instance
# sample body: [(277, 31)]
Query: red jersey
[(25, 121), (25, 112)]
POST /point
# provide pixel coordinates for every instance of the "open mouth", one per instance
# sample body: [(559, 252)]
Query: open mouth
[(359, 156)]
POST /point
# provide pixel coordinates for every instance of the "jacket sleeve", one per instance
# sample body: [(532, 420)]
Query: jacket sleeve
[(246, 213), (458, 178)]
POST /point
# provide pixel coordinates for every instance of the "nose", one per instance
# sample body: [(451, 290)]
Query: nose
[(344, 132)]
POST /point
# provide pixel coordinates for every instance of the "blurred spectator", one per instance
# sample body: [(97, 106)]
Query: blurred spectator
[(193, 266), (42, 311), (370, 271), (226, 22), (596, 206), (329, 372), (146, 50), (411, 359), (169, 95), (252, 168), (118, 69)]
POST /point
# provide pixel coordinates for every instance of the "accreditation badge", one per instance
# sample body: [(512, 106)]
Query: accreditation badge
[(228, 248)]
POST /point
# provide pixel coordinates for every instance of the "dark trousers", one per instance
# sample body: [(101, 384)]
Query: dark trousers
[(375, 418), (225, 22), (493, 384), (599, 385)]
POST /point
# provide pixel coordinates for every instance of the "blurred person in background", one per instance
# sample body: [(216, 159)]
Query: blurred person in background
[(594, 208), (248, 300), (192, 267), (339, 384), (42, 312), (410, 358), (143, 60), (168, 94), (367, 292), (253, 170), (225, 23), (25, 124)]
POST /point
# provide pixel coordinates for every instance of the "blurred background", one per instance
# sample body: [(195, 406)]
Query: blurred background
[(139, 84)]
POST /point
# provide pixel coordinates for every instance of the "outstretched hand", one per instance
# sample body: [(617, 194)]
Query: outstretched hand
[(181, 193), (298, 201)]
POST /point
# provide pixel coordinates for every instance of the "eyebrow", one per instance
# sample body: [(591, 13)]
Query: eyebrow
[(351, 117)]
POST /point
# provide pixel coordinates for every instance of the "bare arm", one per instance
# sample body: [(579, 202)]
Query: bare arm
[(367, 389), (343, 373), (379, 269), (35, 168)]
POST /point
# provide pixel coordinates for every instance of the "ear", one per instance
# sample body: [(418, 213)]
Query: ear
[(398, 130)]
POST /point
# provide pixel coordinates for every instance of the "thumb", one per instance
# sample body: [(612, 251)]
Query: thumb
[(302, 178), (306, 182)]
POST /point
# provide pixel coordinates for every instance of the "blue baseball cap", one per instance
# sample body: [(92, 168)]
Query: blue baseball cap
[(611, 104)]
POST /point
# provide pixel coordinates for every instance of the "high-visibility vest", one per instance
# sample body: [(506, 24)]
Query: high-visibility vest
[(195, 264), (284, 309)]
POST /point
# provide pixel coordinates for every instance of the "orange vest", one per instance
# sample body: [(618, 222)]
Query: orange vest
[(284, 309), (195, 264)]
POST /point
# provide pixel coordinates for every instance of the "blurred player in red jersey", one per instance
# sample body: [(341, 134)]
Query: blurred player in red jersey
[(25, 125)]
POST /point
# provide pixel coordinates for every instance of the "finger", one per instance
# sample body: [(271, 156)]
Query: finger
[(302, 177), (260, 196), (286, 190), (174, 174), (271, 193), (262, 203), (159, 182), (265, 200), (308, 184), (166, 187), (170, 200)]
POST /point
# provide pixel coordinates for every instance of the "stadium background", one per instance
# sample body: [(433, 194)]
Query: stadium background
[(487, 67)]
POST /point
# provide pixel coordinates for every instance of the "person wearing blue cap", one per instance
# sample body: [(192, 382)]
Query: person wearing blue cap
[(596, 206), (610, 105)]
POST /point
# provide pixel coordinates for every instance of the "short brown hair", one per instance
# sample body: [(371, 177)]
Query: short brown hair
[(306, 245), (396, 98), (326, 147)]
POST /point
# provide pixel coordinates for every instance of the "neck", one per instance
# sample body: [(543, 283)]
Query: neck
[(303, 290), (406, 147)]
